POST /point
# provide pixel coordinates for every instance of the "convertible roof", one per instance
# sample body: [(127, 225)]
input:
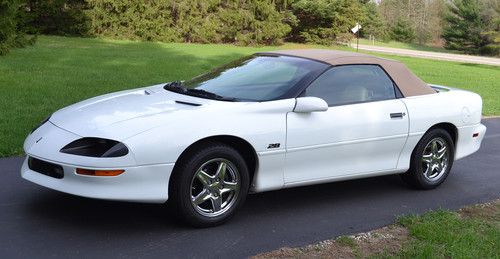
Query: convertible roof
[(408, 83)]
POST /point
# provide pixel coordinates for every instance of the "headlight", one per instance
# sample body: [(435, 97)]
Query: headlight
[(95, 147), (40, 124)]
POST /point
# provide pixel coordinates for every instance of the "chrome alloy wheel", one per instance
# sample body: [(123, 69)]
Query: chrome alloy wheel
[(435, 159), (215, 187)]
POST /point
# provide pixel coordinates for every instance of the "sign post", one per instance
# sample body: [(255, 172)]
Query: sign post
[(355, 30)]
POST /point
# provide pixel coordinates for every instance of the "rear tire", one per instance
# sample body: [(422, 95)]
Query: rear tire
[(431, 160), (209, 185)]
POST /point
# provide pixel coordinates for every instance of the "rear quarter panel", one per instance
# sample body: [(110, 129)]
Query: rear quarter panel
[(461, 108)]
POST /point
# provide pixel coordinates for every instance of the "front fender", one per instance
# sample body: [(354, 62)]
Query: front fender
[(260, 124)]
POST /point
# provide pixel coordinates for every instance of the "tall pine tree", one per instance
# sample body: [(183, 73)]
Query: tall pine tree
[(464, 27)]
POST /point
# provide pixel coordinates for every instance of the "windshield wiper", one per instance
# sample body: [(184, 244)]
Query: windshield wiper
[(204, 93), (176, 86)]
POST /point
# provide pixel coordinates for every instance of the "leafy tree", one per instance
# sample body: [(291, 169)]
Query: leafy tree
[(433, 27), (490, 15), (423, 16), (323, 21), (372, 24), (402, 31), (464, 27)]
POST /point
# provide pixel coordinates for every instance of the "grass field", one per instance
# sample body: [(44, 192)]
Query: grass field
[(58, 71), (472, 232)]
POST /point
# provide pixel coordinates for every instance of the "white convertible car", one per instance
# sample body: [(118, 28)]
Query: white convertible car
[(269, 121)]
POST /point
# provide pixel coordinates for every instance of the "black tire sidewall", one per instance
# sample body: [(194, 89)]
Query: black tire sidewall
[(419, 180), (180, 187)]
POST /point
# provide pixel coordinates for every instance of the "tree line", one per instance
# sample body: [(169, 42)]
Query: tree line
[(470, 26)]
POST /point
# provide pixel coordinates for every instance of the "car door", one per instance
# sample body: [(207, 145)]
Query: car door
[(362, 132)]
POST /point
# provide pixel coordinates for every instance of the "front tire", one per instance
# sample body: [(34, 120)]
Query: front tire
[(209, 185), (431, 161)]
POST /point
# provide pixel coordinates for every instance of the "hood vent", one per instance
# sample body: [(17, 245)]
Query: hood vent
[(149, 91), (188, 103)]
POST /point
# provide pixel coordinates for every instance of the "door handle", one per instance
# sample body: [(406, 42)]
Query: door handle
[(397, 115)]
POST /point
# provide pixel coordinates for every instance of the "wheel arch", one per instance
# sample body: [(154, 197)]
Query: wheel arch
[(410, 176), (448, 127), (241, 145)]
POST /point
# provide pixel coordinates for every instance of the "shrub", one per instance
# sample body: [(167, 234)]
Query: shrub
[(8, 12), (12, 27), (60, 17), (133, 19)]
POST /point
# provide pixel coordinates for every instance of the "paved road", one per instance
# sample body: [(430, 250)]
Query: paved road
[(432, 55), (37, 222)]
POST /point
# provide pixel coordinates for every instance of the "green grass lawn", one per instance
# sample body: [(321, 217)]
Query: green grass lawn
[(447, 234), (58, 71)]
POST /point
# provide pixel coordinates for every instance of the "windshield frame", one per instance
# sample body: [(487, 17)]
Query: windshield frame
[(293, 90)]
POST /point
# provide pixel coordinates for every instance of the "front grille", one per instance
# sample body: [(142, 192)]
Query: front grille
[(46, 168)]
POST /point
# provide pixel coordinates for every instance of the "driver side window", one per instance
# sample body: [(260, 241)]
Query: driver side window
[(351, 84)]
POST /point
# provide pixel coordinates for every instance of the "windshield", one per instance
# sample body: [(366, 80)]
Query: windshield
[(257, 78)]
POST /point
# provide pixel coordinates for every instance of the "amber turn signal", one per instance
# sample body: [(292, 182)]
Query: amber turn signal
[(99, 172)]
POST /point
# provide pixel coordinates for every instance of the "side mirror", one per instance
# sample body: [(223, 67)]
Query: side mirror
[(310, 104)]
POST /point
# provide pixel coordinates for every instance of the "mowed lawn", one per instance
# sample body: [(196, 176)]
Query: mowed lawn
[(58, 71)]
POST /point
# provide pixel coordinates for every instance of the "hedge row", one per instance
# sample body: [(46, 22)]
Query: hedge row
[(244, 22), (207, 21)]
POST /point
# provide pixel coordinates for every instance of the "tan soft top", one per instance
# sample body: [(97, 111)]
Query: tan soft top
[(408, 83)]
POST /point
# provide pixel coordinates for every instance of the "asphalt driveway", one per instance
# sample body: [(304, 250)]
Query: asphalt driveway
[(36, 222)]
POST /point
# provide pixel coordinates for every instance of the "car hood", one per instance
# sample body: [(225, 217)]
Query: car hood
[(124, 114)]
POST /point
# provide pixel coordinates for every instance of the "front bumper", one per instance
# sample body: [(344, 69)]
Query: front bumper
[(137, 184)]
